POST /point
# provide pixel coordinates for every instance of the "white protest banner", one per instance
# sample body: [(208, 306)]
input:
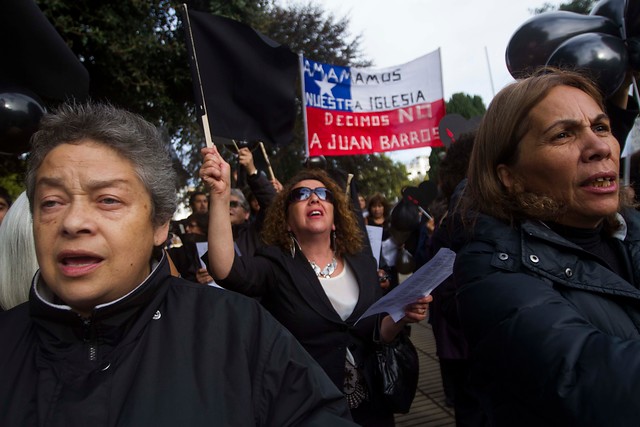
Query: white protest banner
[(351, 110)]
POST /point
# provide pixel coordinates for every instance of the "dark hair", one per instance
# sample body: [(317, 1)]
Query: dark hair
[(248, 194), (378, 199), (132, 137), (192, 197), (453, 168), (349, 237), (201, 219)]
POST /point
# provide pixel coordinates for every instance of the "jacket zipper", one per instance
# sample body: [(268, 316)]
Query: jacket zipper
[(90, 340)]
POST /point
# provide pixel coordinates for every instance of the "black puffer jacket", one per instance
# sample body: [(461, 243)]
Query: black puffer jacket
[(553, 333), (170, 353)]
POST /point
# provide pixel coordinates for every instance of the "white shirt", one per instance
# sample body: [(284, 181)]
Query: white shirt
[(342, 290)]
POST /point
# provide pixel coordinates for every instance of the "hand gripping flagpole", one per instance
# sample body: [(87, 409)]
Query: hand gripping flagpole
[(205, 119)]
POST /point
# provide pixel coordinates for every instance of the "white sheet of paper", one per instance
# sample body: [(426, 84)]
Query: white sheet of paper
[(375, 238), (418, 285), (203, 247)]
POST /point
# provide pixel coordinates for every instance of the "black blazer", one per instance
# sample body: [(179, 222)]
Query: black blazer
[(291, 291)]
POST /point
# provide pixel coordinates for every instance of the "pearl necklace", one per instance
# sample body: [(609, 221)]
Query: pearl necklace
[(326, 272)]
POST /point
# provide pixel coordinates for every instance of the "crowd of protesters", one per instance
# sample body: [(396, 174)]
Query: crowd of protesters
[(247, 311)]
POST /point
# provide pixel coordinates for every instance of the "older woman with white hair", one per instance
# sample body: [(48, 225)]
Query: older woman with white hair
[(18, 261)]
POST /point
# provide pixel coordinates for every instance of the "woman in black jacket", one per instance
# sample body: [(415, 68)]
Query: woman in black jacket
[(548, 279), (108, 337), (313, 275)]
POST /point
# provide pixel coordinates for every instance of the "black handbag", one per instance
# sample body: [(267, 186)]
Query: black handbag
[(392, 374)]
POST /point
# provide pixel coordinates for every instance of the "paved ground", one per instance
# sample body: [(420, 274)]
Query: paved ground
[(428, 409)]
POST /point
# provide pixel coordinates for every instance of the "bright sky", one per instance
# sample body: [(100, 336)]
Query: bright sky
[(467, 32)]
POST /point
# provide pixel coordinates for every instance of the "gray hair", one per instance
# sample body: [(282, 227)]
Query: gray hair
[(128, 134), (18, 261), (243, 200)]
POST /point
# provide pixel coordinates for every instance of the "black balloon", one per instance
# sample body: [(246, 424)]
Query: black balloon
[(429, 190), (315, 162), (603, 56), (454, 125), (612, 9), (533, 43), (421, 196), (19, 118)]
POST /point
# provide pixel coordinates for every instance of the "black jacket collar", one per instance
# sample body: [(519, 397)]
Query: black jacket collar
[(59, 326)]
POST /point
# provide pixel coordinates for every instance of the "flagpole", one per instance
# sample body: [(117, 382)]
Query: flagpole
[(266, 158), (486, 55), (441, 89), (304, 107), (205, 119)]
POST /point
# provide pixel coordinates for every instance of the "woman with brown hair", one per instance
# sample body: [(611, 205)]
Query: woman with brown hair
[(378, 209), (548, 277), (313, 276)]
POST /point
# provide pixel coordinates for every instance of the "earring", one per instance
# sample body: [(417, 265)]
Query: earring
[(333, 240), (292, 246)]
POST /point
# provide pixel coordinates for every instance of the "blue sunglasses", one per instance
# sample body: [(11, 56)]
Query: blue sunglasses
[(303, 193)]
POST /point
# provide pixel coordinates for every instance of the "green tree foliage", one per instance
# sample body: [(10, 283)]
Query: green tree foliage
[(577, 6), (11, 169), (135, 54), (374, 173), (136, 57), (13, 183), (251, 12), (466, 105), (320, 35)]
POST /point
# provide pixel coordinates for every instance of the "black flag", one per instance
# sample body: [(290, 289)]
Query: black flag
[(248, 81), (34, 55)]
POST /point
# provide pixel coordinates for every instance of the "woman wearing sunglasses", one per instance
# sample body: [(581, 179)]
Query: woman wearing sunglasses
[(315, 276)]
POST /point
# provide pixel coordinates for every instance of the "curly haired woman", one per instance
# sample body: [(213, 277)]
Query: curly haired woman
[(313, 276)]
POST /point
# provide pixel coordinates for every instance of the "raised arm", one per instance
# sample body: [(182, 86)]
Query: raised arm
[(215, 173), (246, 160)]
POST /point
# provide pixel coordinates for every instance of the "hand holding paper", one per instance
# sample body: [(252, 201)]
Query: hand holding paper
[(420, 284)]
